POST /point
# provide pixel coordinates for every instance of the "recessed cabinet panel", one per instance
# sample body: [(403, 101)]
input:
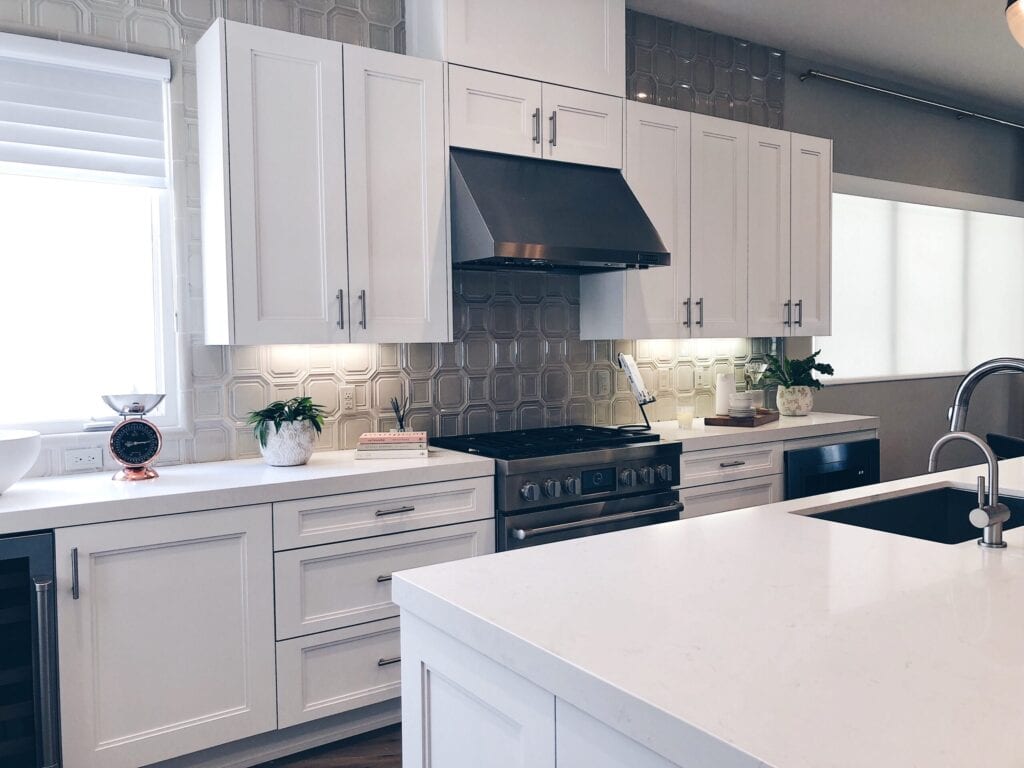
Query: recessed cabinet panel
[(397, 230), (582, 127), (494, 112), (719, 227), (737, 494), (769, 305), (584, 742), (812, 236)]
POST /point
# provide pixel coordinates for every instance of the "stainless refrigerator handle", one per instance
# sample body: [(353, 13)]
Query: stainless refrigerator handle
[(700, 312), (788, 306), (526, 533), (800, 313), (686, 322), (536, 126), (341, 308), (74, 573), (47, 677), (553, 140), (362, 302)]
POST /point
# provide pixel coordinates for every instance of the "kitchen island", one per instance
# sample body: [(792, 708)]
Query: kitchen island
[(759, 637)]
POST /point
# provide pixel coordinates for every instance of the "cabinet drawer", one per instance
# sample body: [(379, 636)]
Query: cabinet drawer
[(348, 516), (738, 494), (337, 671), (339, 585), (494, 112), (722, 464)]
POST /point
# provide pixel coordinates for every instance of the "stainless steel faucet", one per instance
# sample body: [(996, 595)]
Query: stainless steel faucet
[(989, 517), (962, 399)]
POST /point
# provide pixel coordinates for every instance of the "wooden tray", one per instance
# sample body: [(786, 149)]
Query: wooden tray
[(763, 416)]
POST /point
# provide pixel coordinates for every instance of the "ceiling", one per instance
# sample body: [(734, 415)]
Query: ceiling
[(960, 49)]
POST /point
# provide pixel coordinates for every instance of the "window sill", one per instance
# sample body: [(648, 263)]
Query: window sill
[(837, 382)]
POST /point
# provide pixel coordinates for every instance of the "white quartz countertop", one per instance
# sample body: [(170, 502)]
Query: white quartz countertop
[(815, 424), (56, 502), (763, 638)]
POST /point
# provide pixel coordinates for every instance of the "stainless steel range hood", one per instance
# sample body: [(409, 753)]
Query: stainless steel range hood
[(516, 212)]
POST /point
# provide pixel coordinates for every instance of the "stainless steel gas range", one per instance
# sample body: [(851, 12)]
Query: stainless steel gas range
[(565, 482)]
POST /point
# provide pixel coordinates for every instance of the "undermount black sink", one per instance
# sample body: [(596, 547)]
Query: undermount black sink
[(937, 515)]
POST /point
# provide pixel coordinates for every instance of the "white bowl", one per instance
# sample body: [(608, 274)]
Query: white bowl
[(19, 449)]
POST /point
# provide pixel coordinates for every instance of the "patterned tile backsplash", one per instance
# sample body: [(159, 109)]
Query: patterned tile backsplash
[(675, 65), (517, 360)]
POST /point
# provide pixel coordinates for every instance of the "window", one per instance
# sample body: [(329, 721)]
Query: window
[(923, 289), (86, 293)]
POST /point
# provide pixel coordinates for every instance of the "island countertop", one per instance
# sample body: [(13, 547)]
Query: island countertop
[(760, 637)]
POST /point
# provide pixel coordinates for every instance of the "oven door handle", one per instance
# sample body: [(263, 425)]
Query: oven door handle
[(528, 533)]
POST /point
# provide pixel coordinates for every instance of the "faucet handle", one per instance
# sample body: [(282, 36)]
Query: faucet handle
[(981, 492), (986, 515)]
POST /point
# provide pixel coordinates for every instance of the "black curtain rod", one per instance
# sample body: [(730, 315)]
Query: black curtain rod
[(960, 113)]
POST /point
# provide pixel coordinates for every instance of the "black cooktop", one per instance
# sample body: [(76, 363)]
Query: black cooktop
[(549, 441)]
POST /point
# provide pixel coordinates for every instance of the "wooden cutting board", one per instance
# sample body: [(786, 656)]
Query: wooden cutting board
[(763, 416)]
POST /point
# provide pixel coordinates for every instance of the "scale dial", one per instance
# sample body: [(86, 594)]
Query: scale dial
[(135, 443)]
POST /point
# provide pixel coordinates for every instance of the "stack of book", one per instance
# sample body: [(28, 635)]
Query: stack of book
[(392, 445)]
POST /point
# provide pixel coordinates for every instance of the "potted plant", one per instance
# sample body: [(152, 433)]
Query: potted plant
[(796, 381), (287, 430)]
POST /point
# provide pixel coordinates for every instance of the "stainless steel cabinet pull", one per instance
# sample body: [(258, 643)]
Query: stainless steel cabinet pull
[(700, 312), (47, 676), (536, 126), (395, 511), (731, 463), (74, 573), (686, 322), (386, 662), (553, 140), (362, 302), (341, 308), (382, 578), (800, 313), (788, 306), (525, 533)]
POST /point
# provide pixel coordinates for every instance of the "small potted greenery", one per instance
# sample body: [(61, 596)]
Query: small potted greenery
[(796, 381), (287, 430)]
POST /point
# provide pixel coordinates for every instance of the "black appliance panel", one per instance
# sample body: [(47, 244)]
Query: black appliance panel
[(828, 468)]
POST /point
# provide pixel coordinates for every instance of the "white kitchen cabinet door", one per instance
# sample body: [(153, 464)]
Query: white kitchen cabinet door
[(718, 256), (583, 742), (578, 43), (770, 307), (649, 303), (168, 646), (399, 263), (811, 251), (737, 494), (496, 113), (272, 186), (582, 127)]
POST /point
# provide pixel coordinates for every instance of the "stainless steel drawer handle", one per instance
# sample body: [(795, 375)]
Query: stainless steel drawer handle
[(388, 662), (383, 577), (788, 306), (341, 308), (700, 312), (686, 322), (362, 303), (47, 673), (800, 313), (526, 533), (395, 511), (536, 126), (725, 464), (554, 129), (74, 573)]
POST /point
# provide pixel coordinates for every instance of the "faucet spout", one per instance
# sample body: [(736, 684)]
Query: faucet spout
[(962, 399), (989, 517)]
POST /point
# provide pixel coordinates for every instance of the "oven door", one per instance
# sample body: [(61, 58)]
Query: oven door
[(570, 522)]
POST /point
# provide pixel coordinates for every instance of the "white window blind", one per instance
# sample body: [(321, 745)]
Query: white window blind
[(92, 113)]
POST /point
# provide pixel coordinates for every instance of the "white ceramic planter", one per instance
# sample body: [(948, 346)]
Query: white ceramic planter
[(290, 447), (795, 401)]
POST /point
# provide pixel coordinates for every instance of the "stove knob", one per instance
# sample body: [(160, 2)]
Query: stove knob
[(664, 473), (571, 485), (530, 492), (627, 477), (552, 489), (647, 475)]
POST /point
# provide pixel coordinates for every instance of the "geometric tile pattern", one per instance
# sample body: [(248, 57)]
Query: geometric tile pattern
[(517, 359), (679, 66)]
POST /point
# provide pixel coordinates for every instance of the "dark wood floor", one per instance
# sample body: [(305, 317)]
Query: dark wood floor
[(378, 749)]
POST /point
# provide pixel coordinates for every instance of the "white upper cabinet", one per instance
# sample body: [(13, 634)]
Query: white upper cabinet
[(576, 43), (397, 214), (811, 250), (718, 271), (294, 132), (650, 303), (770, 307), (582, 127), (497, 113), (272, 186)]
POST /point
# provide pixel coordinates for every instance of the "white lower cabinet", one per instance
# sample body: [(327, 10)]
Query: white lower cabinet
[(738, 494), (723, 479), (583, 742), (165, 631)]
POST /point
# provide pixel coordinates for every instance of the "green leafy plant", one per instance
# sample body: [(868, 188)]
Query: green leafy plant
[(793, 372), (284, 411)]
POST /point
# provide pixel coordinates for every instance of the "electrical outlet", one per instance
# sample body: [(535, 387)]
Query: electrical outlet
[(704, 377), (348, 399), (77, 459)]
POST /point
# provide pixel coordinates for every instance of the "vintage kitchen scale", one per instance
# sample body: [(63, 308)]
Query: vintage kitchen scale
[(135, 442)]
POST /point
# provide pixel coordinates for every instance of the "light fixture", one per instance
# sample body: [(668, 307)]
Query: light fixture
[(1015, 18), (643, 95)]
